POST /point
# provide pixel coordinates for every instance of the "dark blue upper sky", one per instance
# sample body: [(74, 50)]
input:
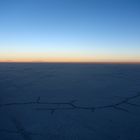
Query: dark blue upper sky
[(99, 30)]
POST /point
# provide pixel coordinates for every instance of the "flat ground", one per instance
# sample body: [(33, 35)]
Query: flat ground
[(69, 101)]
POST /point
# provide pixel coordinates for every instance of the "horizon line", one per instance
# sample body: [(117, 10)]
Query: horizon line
[(87, 62)]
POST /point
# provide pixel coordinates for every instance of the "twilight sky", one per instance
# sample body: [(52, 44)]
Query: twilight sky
[(70, 30)]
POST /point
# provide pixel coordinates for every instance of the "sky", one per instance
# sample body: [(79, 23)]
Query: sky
[(70, 30)]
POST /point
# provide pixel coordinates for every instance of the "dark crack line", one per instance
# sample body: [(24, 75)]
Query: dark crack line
[(72, 106), (114, 106), (120, 108), (25, 135), (132, 104), (19, 132)]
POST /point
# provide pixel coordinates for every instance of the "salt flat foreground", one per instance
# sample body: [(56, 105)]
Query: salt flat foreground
[(69, 101)]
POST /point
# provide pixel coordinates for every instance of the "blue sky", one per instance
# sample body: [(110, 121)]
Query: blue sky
[(74, 30)]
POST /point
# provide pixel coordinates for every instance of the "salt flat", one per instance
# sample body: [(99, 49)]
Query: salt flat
[(48, 101)]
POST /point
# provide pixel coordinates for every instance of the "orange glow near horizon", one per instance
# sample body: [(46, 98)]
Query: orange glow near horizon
[(67, 58), (70, 60)]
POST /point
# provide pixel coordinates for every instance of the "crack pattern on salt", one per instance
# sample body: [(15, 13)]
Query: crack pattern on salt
[(71, 105)]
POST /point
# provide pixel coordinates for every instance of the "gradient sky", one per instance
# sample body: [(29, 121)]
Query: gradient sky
[(70, 30)]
